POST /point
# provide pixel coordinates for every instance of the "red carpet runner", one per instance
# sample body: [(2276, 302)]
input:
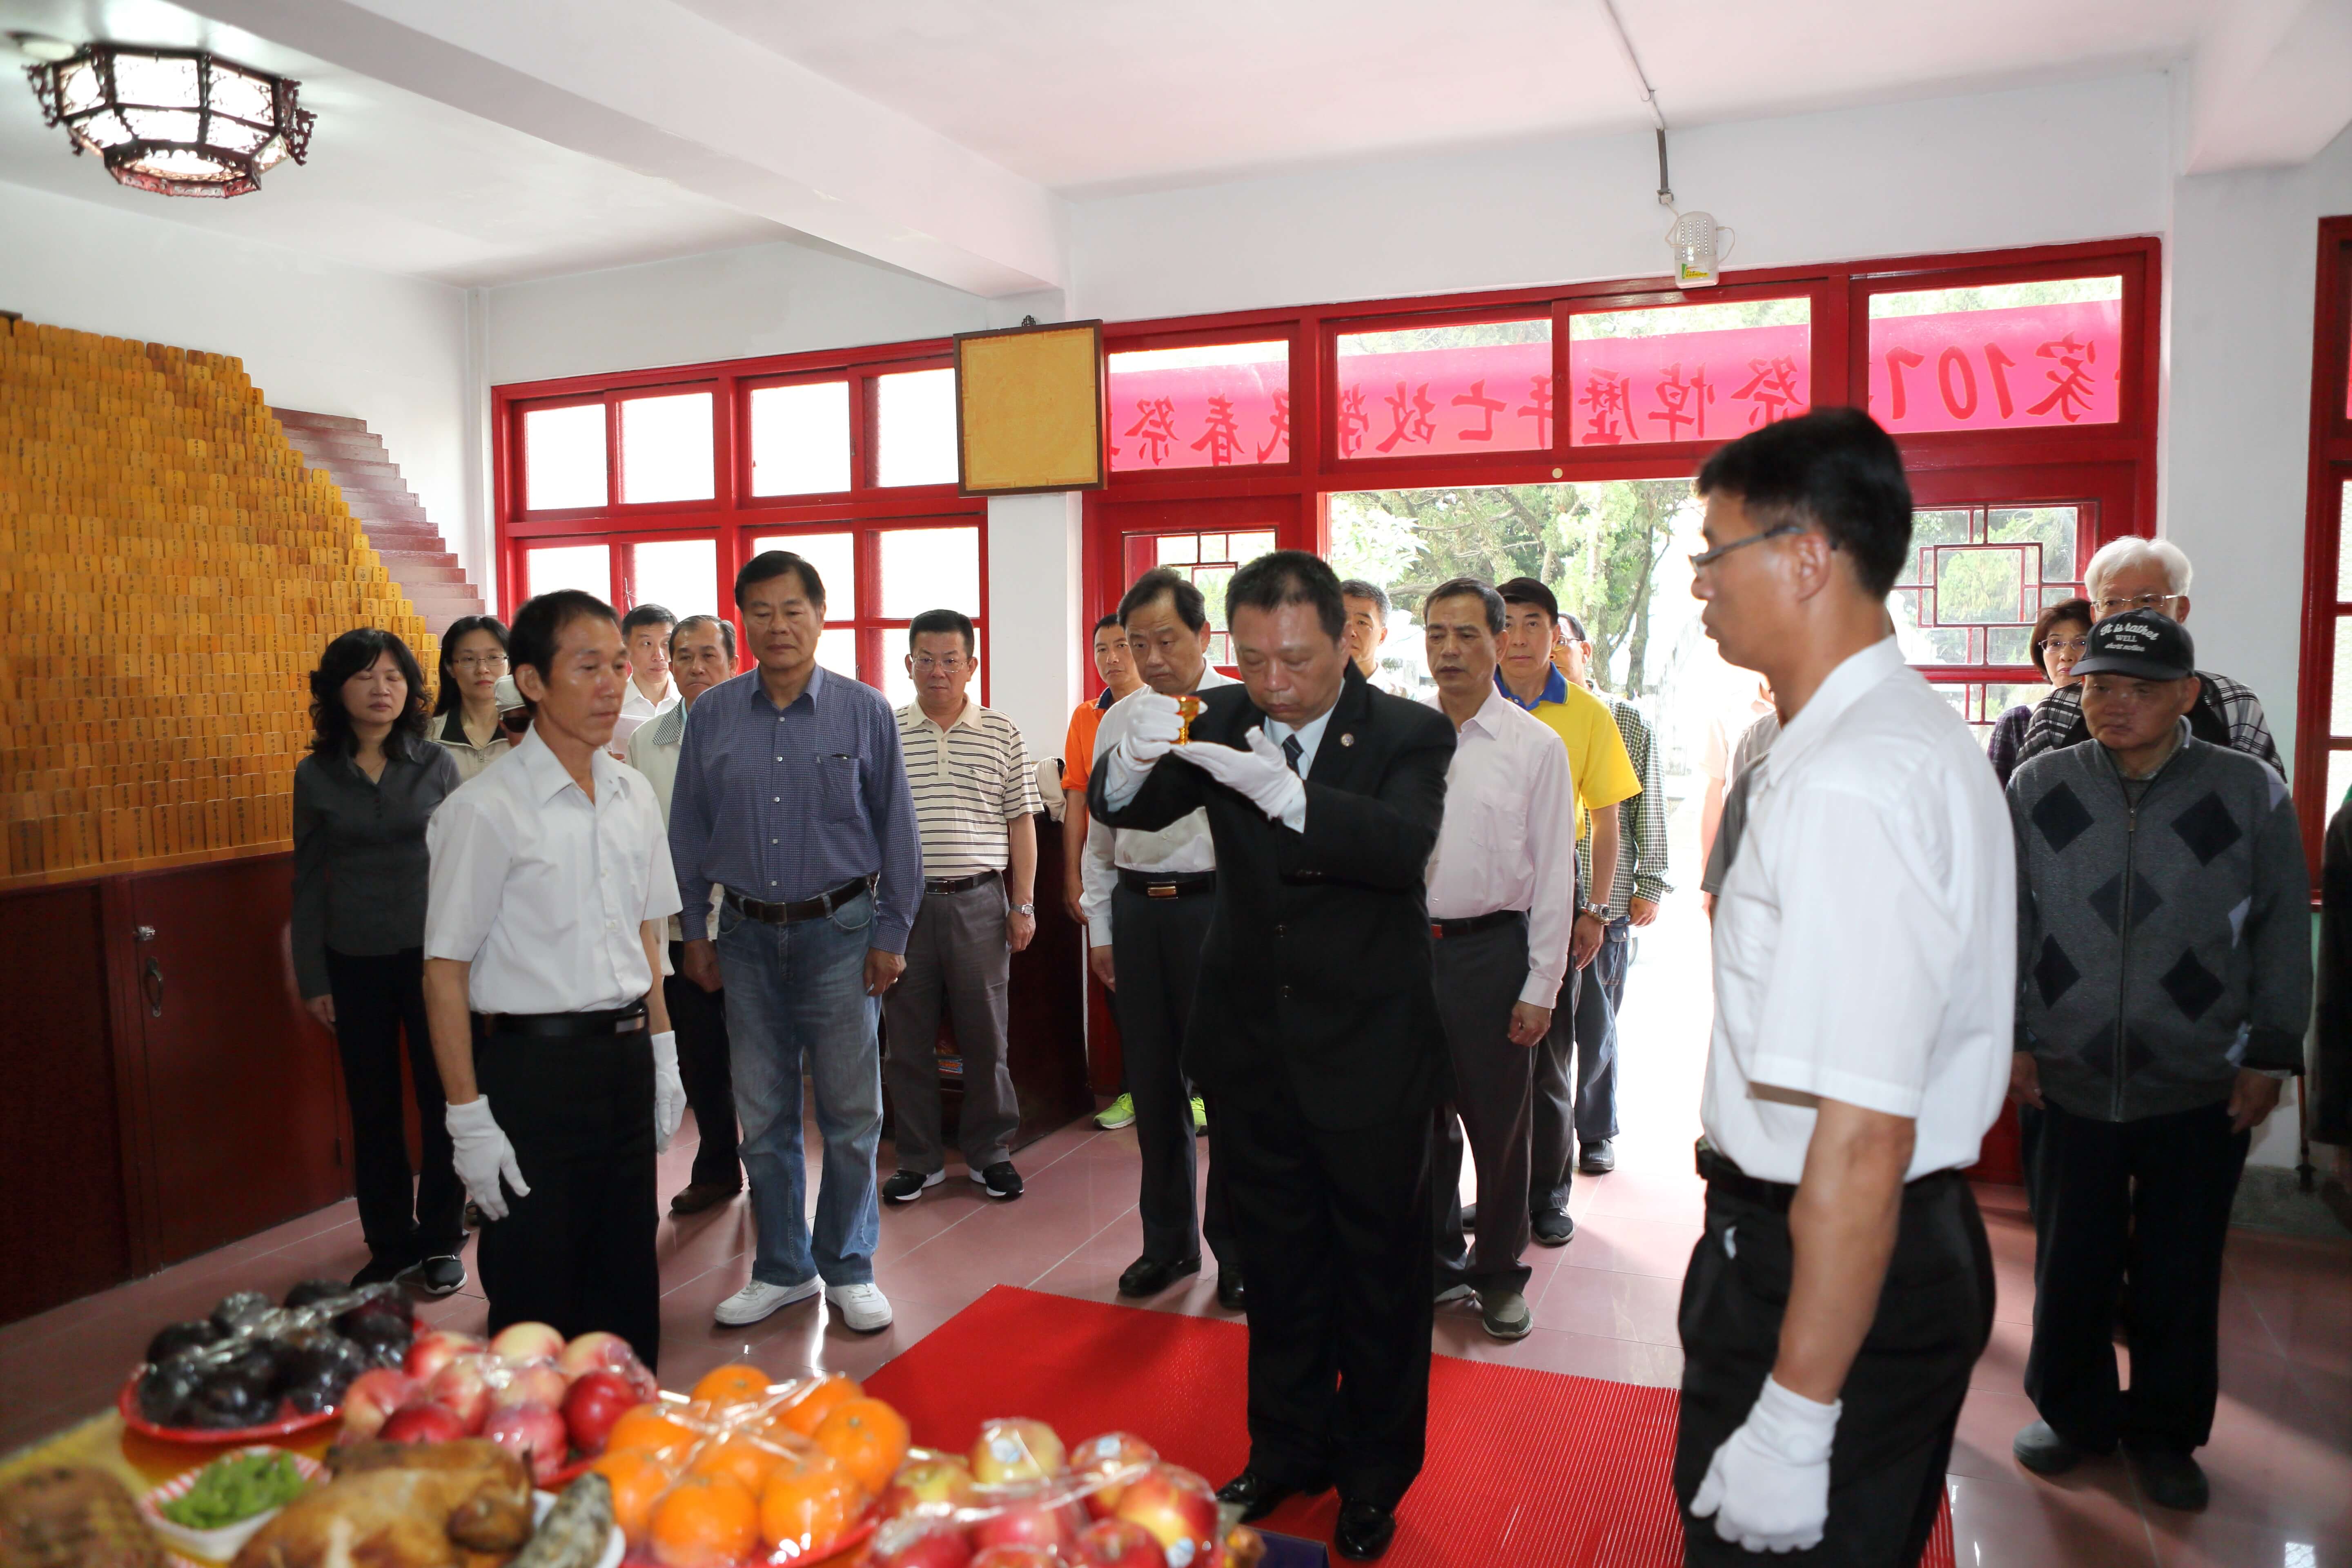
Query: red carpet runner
[(1529, 1468)]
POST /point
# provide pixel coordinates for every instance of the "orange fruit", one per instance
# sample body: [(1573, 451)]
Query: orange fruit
[(706, 1522), (806, 1412), (651, 1428), (866, 1437), (739, 1384), (738, 1454), (809, 1505), (638, 1481)]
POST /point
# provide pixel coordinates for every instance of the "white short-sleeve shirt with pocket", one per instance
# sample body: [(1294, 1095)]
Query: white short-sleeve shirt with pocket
[(1865, 938)]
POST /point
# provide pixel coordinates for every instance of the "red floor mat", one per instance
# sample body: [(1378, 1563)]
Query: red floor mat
[(1551, 1469)]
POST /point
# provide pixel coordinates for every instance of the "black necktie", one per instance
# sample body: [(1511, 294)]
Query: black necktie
[(1292, 750)]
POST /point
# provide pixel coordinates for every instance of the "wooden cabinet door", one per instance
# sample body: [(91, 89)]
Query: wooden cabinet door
[(241, 1087)]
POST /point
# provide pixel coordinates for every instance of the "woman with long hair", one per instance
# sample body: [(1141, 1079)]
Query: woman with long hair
[(2058, 639), (361, 801), (466, 707)]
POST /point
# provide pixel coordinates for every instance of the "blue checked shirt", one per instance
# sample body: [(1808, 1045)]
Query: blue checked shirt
[(783, 806)]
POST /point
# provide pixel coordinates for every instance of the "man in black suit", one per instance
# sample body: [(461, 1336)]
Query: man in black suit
[(1315, 1030)]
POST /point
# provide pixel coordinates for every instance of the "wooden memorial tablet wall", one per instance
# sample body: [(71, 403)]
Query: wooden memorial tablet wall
[(170, 571)]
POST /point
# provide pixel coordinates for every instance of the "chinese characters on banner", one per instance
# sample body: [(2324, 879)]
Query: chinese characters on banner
[(1968, 370), (1997, 370)]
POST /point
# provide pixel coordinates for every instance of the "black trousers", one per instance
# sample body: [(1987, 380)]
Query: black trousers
[(699, 1019), (1479, 977), (2145, 1203), (377, 1000), (1902, 1396), (578, 1251), (1155, 954), (1600, 996), (1333, 1231)]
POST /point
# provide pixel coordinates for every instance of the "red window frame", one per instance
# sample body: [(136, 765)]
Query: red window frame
[(733, 517), (2330, 471)]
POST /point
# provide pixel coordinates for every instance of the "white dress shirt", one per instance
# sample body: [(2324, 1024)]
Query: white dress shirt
[(1509, 838), (1182, 847), (1865, 939), (542, 891), (637, 709), (652, 752)]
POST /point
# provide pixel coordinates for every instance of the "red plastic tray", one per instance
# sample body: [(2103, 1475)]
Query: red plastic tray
[(127, 1402)]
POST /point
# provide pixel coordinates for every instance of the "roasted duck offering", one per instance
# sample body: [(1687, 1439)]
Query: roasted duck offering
[(72, 1517), (403, 1505)]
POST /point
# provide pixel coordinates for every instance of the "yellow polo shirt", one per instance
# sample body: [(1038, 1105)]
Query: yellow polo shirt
[(1596, 753)]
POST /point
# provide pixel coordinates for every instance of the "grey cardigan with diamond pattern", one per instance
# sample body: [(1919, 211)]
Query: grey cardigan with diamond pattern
[(2159, 948)]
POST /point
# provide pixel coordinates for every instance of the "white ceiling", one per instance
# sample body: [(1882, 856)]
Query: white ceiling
[(1125, 94), (477, 144)]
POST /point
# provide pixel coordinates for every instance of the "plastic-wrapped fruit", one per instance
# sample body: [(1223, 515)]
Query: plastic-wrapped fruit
[(255, 1363), (175, 1338), (310, 1292), (227, 1401), (382, 1332), (165, 1391), (241, 1310), (310, 1396), (328, 1361)]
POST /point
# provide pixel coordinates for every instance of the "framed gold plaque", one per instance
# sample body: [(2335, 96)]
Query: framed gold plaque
[(1031, 410)]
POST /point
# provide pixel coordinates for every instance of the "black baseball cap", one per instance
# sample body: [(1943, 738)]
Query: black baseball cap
[(2142, 644), (1528, 591)]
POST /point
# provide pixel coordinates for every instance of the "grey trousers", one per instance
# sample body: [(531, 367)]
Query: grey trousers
[(957, 957), (1478, 979), (1156, 952)]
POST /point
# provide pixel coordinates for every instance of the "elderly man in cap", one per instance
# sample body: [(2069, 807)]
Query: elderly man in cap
[(2164, 971)]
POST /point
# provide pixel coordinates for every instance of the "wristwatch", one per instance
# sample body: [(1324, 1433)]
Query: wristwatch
[(1024, 909), (1598, 912)]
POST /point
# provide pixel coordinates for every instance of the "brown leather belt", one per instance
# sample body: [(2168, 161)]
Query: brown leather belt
[(1440, 930), (798, 910), (1168, 884)]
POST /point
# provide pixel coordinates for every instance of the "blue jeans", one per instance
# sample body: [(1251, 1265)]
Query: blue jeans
[(796, 1002)]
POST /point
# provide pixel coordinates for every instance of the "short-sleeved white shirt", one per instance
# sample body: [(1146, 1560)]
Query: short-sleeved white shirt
[(542, 891), (1865, 939)]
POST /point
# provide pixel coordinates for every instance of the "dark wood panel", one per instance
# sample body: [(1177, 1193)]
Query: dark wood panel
[(243, 1102), (64, 1226)]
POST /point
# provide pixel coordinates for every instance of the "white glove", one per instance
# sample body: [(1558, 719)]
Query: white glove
[(482, 1155), (1260, 773), (1768, 1484), (1151, 731), (670, 1091)]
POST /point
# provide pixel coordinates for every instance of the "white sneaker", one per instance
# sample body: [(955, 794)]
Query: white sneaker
[(758, 1298), (862, 1307)]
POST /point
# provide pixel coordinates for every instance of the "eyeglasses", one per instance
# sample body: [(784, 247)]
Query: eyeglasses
[(1704, 559), (2065, 645), (951, 665), (2137, 602), (478, 661)]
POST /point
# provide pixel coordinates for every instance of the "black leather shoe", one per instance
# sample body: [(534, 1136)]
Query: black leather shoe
[(1596, 1158), (696, 1196), (1469, 1216), (1363, 1531), (1230, 1295), (1150, 1276), (1553, 1228), (1258, 1496)]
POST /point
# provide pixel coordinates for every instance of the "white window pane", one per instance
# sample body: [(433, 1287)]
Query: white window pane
[(666, 447), (800, 438), (835, 556), (915, 428), (836, 649), (587, 567), (563, 457), (897, 685), (681, 575), (929, 569)]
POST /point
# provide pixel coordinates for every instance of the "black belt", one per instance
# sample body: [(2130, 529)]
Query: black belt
[(1168, 884), (626, 1020), (960, 884), (798, 910), (1722, 1175), (1469, 924)]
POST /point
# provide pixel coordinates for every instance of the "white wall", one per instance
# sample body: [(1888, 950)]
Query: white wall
[(2085, 161), (725, 304), (313, 334)]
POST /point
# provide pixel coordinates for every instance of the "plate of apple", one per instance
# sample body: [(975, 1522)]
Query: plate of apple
[(528, 1388)]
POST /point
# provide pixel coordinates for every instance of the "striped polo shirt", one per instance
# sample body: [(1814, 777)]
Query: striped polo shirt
[(969, 779)]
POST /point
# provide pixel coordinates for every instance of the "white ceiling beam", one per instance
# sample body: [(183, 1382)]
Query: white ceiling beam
[(654, 87), (2269, 84)]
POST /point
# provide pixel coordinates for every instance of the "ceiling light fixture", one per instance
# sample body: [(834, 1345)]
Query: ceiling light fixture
[(180, 123)]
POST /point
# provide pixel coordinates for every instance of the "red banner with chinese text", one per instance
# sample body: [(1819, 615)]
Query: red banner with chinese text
[(2025, 366)]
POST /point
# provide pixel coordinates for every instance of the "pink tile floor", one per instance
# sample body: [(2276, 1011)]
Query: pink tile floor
[(2280, 1459)]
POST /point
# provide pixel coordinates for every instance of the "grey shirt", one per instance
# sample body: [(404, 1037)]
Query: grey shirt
[(360, 864)]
